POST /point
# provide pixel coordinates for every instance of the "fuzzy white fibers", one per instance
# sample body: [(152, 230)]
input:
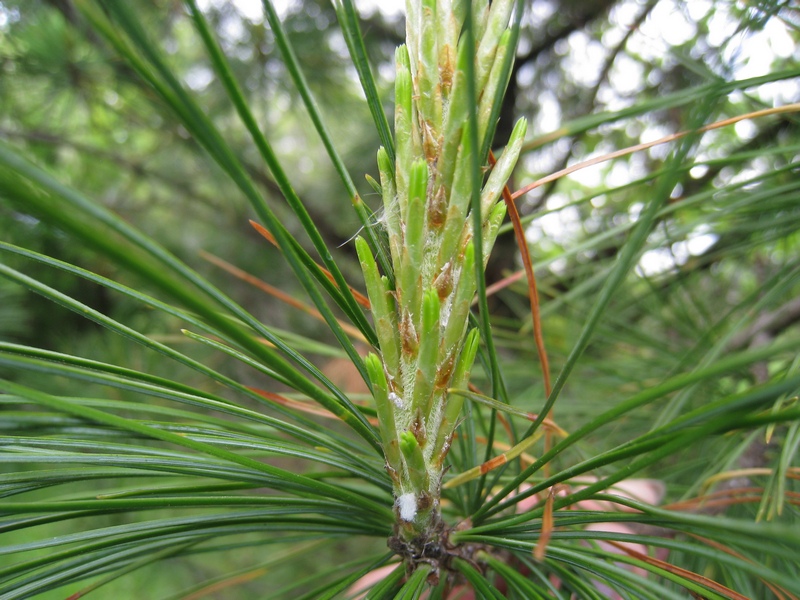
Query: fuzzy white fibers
[(407, 504)]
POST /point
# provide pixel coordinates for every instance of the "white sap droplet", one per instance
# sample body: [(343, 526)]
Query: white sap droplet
[(407, 503)]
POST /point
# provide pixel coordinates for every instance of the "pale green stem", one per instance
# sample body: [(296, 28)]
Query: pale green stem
[(422, 324)]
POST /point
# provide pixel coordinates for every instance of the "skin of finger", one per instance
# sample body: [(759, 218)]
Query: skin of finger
[(363, 585)]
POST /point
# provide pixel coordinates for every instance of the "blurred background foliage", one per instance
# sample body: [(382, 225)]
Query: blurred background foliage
[(721, 271), (85, 115)]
